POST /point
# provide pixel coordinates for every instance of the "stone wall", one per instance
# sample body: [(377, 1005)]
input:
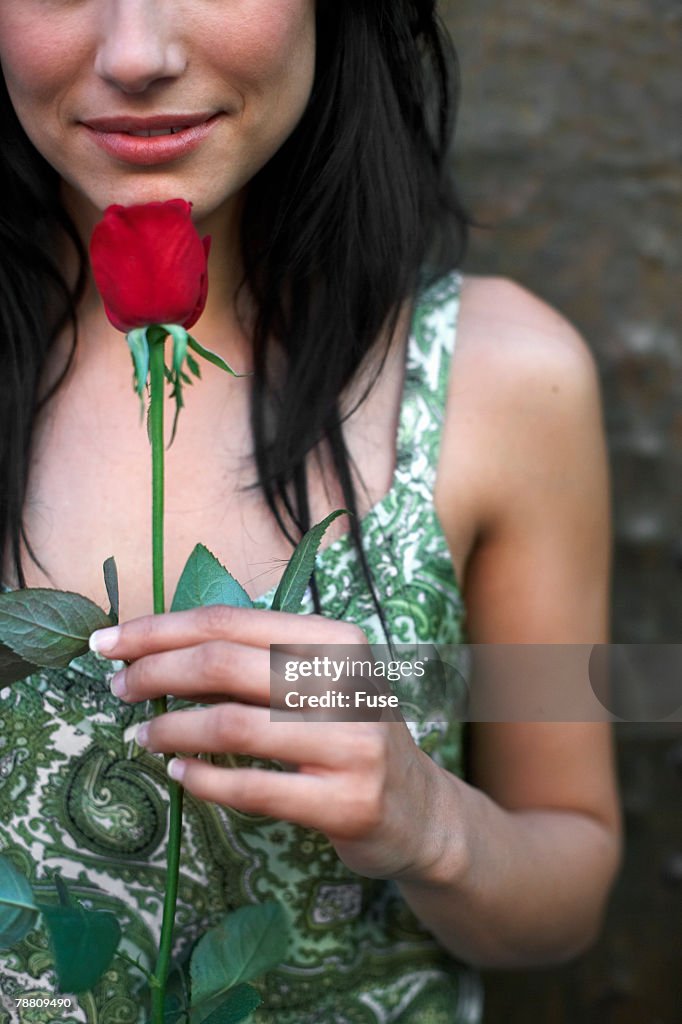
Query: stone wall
[(570, 147)]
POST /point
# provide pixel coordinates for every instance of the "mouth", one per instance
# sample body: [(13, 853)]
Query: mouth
[(152, 133), (153, 140), (148, 127)]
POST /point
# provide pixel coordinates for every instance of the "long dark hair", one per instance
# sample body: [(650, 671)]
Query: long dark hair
[(339, 230), (36, 305)]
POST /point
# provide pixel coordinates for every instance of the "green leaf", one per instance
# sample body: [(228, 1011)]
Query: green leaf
[(244, 945), (205, 581), (111, 583), (240, 1003), (48, 628), (12, 667), (83, 944), (18, 912), (62, 891), (213, 357), (173, 1010), (292, 586)]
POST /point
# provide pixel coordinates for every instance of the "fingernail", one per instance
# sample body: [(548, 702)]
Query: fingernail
[(118, 684), (176, 769), (138, 733), (102, 641)]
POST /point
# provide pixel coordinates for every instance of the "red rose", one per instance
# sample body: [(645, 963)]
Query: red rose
[(150, 265)]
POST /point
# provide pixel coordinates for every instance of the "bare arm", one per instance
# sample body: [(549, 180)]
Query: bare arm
[(522, 860)]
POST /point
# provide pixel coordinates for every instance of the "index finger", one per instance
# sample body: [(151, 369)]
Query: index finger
[(253, 626)]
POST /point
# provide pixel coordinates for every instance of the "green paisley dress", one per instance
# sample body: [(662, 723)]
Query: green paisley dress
[(75, 797)]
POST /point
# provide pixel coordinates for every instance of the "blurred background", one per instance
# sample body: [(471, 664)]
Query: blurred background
[(570, 147)]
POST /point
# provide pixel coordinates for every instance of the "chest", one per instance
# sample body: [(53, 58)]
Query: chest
[(90, 486)]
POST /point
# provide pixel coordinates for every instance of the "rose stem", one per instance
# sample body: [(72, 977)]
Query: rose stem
[(157, 383)]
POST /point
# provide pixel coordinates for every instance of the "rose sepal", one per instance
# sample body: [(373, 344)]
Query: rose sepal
[(140, 339), (139, 350), (212, 357)]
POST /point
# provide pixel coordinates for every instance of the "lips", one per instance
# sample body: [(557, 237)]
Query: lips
[(155, 122), (150, 140)]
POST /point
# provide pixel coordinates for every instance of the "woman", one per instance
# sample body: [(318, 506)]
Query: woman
[(312, 143)]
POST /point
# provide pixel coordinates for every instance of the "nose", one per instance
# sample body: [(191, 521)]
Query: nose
[(139, 44)]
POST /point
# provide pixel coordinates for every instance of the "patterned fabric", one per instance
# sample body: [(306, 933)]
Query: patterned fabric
[(75, 797)]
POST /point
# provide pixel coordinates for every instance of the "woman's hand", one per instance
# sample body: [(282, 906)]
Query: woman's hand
[(365, 784)]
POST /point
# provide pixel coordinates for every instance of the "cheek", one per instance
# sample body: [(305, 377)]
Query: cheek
[(271, 44), (38, 57)]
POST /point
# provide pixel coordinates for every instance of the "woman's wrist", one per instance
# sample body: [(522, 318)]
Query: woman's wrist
[(509, 888), (442, 854)]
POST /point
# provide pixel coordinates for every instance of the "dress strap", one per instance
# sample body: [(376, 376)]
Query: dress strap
[(427, 372)]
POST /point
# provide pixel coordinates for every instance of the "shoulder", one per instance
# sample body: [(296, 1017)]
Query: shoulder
[(522, 373), (509, 332), (523, 407)]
